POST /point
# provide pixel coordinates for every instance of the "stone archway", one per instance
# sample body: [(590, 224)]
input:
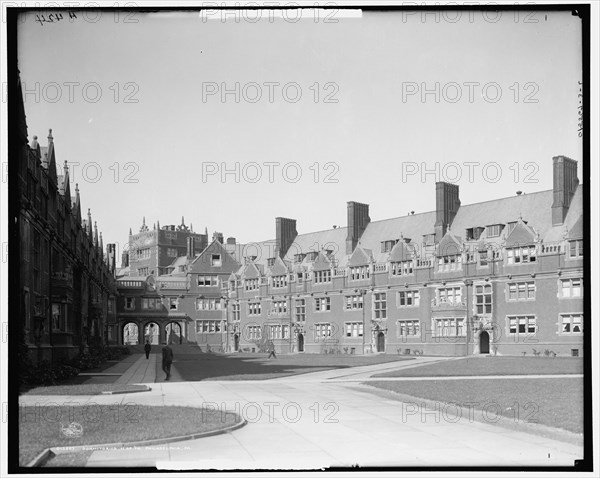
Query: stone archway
[(174, 333), (131, 333), (152, 333)]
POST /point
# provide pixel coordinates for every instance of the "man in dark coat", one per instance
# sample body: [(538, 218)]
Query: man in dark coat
[(167, 359), (147, 349)]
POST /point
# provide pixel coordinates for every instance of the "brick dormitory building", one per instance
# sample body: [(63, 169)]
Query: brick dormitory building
[(64, 290), (501, 277)]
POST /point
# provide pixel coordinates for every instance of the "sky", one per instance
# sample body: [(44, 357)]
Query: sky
[(350, 109)]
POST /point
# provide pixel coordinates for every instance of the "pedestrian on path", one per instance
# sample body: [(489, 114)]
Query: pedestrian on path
[(271, 349), (167, 359), (147, 349)]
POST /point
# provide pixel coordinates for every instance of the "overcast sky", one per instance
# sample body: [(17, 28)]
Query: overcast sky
[(360, 121)]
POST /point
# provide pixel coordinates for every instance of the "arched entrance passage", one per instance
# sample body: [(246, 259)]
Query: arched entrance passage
[(300, 342), (152, 333), (131, 334), (174, 333), (380, 342), (484, 343), (236, 342)]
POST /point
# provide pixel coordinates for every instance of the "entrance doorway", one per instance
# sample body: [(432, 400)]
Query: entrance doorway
[(484, 343), (152, 333), (236, 342), (380, 342), (300, 342)]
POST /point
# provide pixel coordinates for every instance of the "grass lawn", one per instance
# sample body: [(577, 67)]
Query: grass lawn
[(204, 366), (86, 389), (42, 427), (482, 366), (555, 402)]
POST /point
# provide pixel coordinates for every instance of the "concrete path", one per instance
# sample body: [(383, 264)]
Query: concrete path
[(143, 370), (317, 420)]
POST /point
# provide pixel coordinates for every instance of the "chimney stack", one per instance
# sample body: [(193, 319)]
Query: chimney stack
[(447, 203), (190, 247), (565, 185), (218, 236), (231, 241), (125, 259), (358, 220), (285, 233)]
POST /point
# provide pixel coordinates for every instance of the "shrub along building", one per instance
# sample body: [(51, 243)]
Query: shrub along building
[(501, 277), (66, 282)]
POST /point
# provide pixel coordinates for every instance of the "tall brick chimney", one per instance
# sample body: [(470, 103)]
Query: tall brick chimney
[(447, 203), (565, 185), (358, 219), (190, 247), (285, 233)]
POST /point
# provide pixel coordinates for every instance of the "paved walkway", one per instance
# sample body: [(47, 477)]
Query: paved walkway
[(318, 420)]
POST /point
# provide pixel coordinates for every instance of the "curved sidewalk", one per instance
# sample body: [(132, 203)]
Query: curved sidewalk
[(299, 423)]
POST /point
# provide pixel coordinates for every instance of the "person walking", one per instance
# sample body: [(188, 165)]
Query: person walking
[(271, 350), (167, 359), (147, 349)]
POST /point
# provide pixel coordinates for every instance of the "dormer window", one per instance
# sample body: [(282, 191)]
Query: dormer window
[(474, 233), (387, 246), (299, 257), (494, 230), (312, 256), (270, 261)]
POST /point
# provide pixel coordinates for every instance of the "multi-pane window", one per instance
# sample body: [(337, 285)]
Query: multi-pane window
[(408, 298), (279, 281), (151, 303), (494, 230), (143, 271), (171, 235), (278, 331), (402, 268), (279, 307), (300, 278), (320, 277), (59, 316), (449, 263), (208, 281), (254, 308), (449, 327), (208, 326), (173, 302), (235, 312), (171, 252), (521, 255), (208, 303), (571, 323), (354, 329), (215, 260), (300, 310), (483, 299), (354, 302), (450, 295), (129, 303), (360, 273), (322, 304), (521, 290), (408, 327), (522, 325), (571, 288), (254, 332), (483, 258), (387, 246), (251, 284), (143, 253), (322, 330), (576, 248), (380, 305)]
